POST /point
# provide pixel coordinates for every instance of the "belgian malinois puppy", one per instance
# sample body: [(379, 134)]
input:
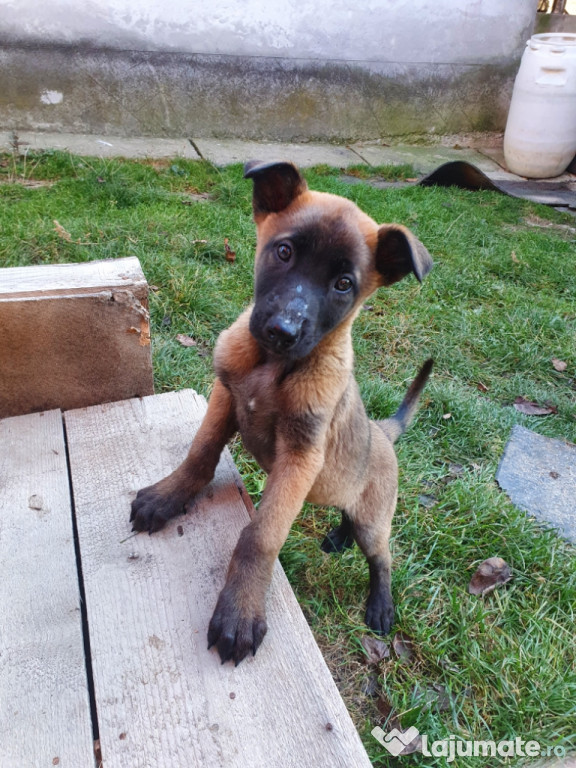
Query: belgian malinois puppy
[(284, 379)]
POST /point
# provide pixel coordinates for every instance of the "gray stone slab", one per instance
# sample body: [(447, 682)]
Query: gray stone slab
[(226, 151), (543, 192), (497, 155), (424, 159), (101, 145), (466, 175), (539, 475)]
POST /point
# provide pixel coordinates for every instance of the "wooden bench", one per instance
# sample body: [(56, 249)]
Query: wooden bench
[(104, 636)]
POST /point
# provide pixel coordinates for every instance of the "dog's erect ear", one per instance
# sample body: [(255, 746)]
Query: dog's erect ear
[(398, 253), (276, 185)]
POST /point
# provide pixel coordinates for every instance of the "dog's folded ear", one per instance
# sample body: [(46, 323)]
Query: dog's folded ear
[(276, 185), (399, 253)]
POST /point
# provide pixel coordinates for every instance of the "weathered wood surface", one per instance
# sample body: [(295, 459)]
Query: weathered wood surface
[(37, 281), (44, 705), (73, 335), (163, 699)]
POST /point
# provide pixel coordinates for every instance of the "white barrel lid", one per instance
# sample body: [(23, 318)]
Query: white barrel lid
[(556, 42)]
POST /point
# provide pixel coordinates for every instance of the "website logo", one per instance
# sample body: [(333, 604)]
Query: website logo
[(399, 742), (395, 741)]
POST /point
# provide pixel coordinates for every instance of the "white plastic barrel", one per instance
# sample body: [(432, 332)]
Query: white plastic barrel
[(540, 137)]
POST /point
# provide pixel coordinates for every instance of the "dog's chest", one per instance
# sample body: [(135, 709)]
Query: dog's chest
[(257, 409)]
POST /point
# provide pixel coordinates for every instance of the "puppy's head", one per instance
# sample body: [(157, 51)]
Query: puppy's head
[(318, 257)]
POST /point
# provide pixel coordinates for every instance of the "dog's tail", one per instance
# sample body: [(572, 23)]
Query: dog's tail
[(397, 424)]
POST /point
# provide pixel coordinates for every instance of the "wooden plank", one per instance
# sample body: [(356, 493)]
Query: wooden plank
[(77, 334), (163, 699), (37, 281), (44, 704)]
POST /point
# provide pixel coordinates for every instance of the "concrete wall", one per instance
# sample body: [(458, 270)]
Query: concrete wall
[(276, 69)]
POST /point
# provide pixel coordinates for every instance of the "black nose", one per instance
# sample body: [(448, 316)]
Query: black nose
[(282, 333)]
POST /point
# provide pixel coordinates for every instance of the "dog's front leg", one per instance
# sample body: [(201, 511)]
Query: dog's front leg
[(238, 625), (156, 504)]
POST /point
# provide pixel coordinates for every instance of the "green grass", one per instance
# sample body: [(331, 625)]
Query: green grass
[(499, 305)]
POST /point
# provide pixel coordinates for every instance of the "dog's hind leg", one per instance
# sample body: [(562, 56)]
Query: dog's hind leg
[(379, 606), (339, 538), (371, 521), (372, 538)]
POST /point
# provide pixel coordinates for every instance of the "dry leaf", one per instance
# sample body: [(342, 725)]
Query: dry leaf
[(454, 472), (559, 365), (186, 341), (403, 647), (515, 258), (435, 695), (414, 746), (482, 387), (61, 232), (391, 722), (376, 650), (489, 575), (409, 736), (230, 254), (369, 686), (533, 409), (384, 707)]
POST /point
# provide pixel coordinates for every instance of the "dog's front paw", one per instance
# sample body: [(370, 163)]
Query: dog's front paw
[(380, 612), (235, 632), (152, 508)]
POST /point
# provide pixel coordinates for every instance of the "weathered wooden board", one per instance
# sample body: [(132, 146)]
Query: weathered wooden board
[(163, 699), (44, 705), (37, 281), (75, 334)]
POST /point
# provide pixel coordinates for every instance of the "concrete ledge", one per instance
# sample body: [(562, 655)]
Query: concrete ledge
[(100, 145), (226, 151)]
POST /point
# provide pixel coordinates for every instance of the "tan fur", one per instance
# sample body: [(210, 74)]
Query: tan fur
[(307, 427)]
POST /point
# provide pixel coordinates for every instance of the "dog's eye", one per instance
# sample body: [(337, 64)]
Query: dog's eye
[(284, 251), (343, 284)]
